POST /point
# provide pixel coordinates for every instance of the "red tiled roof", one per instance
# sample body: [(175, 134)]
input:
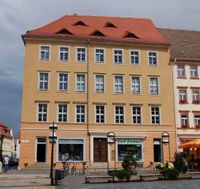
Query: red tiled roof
[(111, 28)]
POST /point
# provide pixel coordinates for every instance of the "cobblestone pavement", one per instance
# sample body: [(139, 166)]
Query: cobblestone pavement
[(25, 181), (77, 182)]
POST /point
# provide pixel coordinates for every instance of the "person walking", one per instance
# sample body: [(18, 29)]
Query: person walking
[(6, 162), (1, 165)]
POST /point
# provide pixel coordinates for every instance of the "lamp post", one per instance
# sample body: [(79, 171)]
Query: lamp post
[(165, 140), (110, 140), (52, 140)]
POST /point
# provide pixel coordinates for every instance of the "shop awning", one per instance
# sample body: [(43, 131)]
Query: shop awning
[(191, 144)]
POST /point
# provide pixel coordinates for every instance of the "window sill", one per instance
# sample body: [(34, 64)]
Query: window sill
[(181, 77), (194, 78)]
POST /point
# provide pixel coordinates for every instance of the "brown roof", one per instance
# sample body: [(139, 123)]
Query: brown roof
[(185, 44), (101, 27)]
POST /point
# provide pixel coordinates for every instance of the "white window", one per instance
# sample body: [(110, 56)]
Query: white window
[(135, 85), (155, 115), (182, 96), (193, 71), (63, 82), (118, 84), (42, 112), (154, 89), (62, 112), (180, 71), (152, 58), (44, 52), (80, 113), (43, 81), (197, 120), (134, 55), (99, 83), (195, 96), (118, 56), (80, 83), (64, 54), (184, 120), (136, 113), (81, 54), (99, 55), (100, 114), (119, 114)]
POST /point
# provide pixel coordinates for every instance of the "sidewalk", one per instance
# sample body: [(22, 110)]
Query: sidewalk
[(25, 181)]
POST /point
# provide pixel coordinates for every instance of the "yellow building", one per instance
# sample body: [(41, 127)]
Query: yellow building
[(91, 75)]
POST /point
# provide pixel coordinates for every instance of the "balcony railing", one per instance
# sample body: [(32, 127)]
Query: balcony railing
[(196, 101)]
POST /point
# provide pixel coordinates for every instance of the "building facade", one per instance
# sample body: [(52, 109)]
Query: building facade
[(185, 52), (6, 141), (91, 75)]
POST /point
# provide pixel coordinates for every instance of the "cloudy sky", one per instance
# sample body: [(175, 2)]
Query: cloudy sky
[(18, 16)]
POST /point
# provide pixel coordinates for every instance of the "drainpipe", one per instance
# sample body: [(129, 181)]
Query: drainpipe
[(87, 122), (174, 100)]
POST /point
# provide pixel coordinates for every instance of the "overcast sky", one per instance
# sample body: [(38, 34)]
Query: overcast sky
[(18, 16)]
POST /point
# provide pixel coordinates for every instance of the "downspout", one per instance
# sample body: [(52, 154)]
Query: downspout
[(87, 122), (174, 100)]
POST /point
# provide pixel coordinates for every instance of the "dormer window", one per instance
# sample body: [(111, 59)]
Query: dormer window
[(130, 35), (110, 25), (97, 33), (80, 23), (64, 31)]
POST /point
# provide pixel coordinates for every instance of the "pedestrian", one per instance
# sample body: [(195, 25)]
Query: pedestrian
[(6, 162), (1, 165)]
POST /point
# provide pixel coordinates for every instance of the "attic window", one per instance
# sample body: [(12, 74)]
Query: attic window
[(97, 33), (80, 23), (64, 31), (110, 25), (130, 35)]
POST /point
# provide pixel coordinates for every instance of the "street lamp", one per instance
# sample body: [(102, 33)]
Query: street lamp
[(165, 140), (52, 140), (110, 140)]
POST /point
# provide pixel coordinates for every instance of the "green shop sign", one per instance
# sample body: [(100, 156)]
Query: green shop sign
[(129, 141)]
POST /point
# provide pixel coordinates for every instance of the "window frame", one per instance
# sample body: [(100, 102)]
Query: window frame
[(43, 81), (38, 112), (137, 115), (120, 84), (181, 71), (40, 52), (152, 57), (76, 86), (156, 116), (122, 57), (119, 115), (80, 114), (192, 70), (62, 113), (150, 86), (135, 93), (97, 84), (81, 61), (59, 54), (100, 114), (95, 56), (138, 56), (58, 88)]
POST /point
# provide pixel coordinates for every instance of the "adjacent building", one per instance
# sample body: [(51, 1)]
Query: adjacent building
[(91, 75), (6, 141), (185, 54)]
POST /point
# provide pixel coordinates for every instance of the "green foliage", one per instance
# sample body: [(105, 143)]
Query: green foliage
[(122, 174), (170, 174), (129, 162), (180, 163)]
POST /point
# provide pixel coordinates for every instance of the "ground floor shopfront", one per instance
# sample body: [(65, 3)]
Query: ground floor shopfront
[(80, 146)]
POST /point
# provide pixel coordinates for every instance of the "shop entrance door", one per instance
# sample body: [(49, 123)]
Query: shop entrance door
[(41, 150), (157, 150), (100, 150)]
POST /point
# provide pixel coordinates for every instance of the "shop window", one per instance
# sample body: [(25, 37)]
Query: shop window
[(71, 150)]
